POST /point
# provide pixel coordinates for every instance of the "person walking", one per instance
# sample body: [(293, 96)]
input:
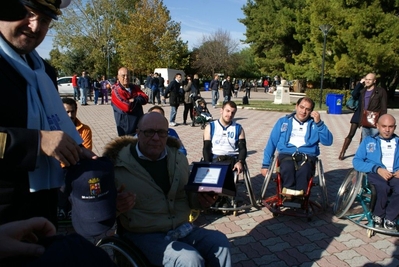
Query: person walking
[(76, 92), (127, 100), (173, 92), (355, 120), (372, 98), (105, 87), (155, 90), (96, 89), (84, 85), (162, 88), (214, 86), (228, 89), (188, 100)]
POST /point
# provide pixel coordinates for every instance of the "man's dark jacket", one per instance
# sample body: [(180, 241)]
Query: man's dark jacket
[(172, 92), (20, 152)]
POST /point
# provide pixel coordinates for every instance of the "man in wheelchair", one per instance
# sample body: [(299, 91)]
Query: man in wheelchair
[(224, 139), (296, 138), (153, 206), (378, 157)]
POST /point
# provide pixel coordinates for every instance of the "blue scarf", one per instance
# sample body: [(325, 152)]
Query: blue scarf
[(45, 112)]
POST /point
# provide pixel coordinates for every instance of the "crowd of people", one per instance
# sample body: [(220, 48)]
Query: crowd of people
[(44, 137)]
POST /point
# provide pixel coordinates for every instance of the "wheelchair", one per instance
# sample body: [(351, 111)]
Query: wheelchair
[(280, 203), (355, 201), (237, 203), (122, 251)]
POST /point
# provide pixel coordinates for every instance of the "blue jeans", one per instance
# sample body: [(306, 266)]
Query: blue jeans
[(173, 112), (215, 97), (76, 93), (96, 94), (197, 248), (83, 95), (368, 131)]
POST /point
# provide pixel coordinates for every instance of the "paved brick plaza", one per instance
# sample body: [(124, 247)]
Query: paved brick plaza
[(257, 238)]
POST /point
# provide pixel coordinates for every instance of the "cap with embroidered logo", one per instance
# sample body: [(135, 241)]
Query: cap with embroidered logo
[(91, 185)]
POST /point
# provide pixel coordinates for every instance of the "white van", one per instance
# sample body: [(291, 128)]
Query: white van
[(169, 74)]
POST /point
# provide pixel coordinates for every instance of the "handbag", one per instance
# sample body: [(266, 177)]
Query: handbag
[(370, 118), (352, 104)]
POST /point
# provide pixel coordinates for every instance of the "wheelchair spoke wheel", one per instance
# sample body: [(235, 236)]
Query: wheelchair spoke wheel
[(347, 192), (268, 177), (322, 185), (123, 253)]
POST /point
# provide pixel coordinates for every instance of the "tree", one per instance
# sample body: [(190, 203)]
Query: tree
[(148, 39), (215, 53), (137, 34), (362, 40)]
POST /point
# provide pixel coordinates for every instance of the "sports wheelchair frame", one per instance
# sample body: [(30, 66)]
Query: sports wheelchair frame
[(299, 206), (355, 201), (235, 204)]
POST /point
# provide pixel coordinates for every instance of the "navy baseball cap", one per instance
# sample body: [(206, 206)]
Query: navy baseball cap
[(50, 8), (92, 189), (12, 10)]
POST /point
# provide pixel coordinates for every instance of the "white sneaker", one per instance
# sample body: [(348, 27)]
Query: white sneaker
[(172, 124)]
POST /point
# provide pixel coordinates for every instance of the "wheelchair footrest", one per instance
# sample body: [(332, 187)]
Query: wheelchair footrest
[(292, 204)]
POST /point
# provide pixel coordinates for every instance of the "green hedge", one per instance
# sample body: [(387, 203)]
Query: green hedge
[(315, 94)]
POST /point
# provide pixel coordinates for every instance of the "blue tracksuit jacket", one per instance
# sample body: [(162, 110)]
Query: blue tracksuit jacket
[(368, 156), (280, 137)]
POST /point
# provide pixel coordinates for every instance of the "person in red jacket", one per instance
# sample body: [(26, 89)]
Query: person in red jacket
[(127, 100), (76, 91)]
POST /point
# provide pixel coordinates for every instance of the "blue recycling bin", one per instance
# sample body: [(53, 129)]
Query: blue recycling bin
[(334, 103), (206, 85)]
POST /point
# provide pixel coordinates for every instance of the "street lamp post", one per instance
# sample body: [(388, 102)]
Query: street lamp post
[(325, 29)]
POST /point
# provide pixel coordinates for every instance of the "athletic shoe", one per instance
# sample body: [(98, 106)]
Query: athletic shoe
[(172, 124), (377, 221), (389, 225)]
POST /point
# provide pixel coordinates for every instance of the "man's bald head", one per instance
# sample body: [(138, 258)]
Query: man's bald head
[(386, 126)]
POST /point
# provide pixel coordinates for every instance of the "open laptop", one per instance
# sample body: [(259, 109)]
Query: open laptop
[(217, 177)]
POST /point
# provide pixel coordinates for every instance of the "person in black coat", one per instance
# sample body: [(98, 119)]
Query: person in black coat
[(174, 92), (355, 120), (21, 145)]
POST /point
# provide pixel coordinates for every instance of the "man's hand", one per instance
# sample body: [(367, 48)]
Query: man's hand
[(125, 201), (396, 174), (206, 200), (384, 173), (264, 172), (87, 154), (238, 167), (316, 116), (18, 238), (61, 146)]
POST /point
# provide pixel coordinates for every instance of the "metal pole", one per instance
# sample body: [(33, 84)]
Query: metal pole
[(322, 69)]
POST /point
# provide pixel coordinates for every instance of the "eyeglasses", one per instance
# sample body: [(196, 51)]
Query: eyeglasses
[(151, 133), (43, 20)]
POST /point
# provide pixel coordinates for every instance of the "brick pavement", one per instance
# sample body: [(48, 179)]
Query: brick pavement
[(258, 238)]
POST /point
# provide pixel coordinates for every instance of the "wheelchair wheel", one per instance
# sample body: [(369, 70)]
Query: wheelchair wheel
[(347, 192), (268, 177), (123, 253), (322, 185)]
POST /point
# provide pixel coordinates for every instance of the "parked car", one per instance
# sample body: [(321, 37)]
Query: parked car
[(65, 85)]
